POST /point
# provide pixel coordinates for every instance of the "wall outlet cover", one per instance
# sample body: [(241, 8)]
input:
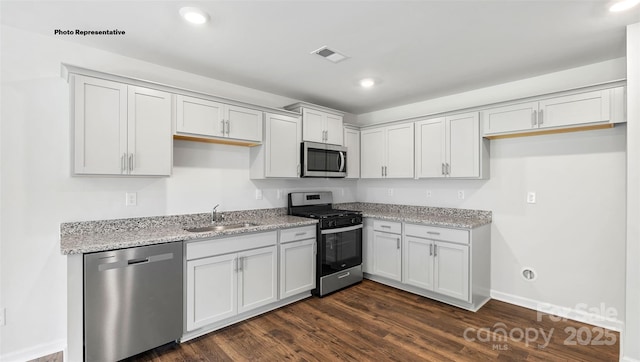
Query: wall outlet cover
[(131, 199), (390, 192), (258, 194), (531, 197), (428, 193), (460, 195)]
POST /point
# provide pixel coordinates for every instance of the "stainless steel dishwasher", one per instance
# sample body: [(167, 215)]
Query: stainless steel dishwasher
[(132, 300)]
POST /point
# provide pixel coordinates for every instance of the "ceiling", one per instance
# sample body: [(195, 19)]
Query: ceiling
[(416, 50)]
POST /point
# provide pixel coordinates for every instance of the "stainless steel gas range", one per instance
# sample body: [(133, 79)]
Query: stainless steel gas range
[(339, 255)]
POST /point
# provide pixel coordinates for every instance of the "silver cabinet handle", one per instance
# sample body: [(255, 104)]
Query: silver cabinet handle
[(533, 118), (386, 171), (298, 170), (448, 169), (435, 250), (433, 233), (326, 135), (228, 127), (398, 244), (344, 275), (443, 168), (385, 226), (541, 118), (382, 171), (131, 162), (222, 127), (123, 166), (243, 261), (235, 264), (301, 234), (430, 249)]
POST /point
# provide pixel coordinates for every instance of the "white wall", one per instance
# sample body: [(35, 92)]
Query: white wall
[(631, 348), (38, 193)]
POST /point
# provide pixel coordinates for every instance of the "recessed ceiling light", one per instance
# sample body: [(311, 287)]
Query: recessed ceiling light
[(623, 5), (367, 83), (194, 15)]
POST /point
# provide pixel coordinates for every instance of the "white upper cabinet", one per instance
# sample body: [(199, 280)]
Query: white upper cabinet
[(387, 152), (201, 117), (352, 142), (451, 147), (588, 108), (120, 129), (319, 124), (279, 155)]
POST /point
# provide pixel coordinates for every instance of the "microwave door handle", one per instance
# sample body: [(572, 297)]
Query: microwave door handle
[(341, 154)]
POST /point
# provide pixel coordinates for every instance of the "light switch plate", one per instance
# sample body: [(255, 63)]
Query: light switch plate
[(531, 197), (258, 194)]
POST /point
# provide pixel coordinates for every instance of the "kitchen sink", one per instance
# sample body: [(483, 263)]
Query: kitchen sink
[(221, 227)]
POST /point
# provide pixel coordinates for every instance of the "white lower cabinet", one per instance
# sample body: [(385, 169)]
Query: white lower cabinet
[(438, 266), (297, 267), (387, 254), (447, 264), (230, 275)]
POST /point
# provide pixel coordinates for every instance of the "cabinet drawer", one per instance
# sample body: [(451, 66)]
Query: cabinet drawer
[(387, 226), (301, 233), (437, 233), (232, 244)]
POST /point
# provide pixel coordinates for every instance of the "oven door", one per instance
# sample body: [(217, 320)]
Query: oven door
[(340, 249), (322, 160)]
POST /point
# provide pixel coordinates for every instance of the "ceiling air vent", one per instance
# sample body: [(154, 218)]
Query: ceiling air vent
[(330, 54)]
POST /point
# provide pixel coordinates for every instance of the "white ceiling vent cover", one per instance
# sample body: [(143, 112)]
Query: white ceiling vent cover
[(330, 54)]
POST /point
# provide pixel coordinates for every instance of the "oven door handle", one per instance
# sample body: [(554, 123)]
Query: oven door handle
[(341, 230)]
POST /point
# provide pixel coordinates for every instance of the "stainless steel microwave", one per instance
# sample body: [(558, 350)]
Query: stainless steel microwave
[(323, 160)]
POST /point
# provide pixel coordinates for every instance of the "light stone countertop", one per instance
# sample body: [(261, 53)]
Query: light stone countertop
[(93, 236), (436, 216)]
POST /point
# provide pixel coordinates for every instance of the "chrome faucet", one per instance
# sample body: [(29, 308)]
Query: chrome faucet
[(214, 214)]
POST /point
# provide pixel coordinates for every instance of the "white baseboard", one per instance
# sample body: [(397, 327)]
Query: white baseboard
[(564, 312), (35, 352)]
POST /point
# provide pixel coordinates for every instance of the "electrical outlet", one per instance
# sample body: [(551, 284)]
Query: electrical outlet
[(279, 194), (3, 316), (131, 199), (460, 195), (531, 197), (390, 192), (258, 194), (428, 193)]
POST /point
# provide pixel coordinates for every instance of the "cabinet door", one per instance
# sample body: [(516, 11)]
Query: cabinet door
[(517, 117), (199, 116), (430, 148), (352, 142), (581, 108), (334, 130), (452, 270), (387, 255), (313, 125), (149, 137), (211, 290), (372, 153), (282, 146), (100, 126), (257, 278), (400, 151), (243, 123), (418, 262), (297, 267), (463, 145)]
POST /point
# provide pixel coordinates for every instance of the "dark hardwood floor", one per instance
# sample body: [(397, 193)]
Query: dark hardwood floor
[(373, 322)]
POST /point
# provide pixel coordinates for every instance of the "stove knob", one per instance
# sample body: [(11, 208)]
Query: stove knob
[(332, 223), (354, 220)]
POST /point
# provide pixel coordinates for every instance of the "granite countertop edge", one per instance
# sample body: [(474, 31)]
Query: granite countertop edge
[(89, 242)]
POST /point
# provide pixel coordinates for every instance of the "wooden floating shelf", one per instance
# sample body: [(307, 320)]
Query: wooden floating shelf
[(216, 140), (551, 131)]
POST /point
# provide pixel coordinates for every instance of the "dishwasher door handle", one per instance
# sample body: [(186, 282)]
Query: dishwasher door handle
[(133, 262)]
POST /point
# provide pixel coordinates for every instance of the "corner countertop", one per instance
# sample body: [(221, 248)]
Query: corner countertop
[(92, 236), (436, 216)]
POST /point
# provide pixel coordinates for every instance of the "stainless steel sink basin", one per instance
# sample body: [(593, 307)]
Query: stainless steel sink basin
[(221, 227)]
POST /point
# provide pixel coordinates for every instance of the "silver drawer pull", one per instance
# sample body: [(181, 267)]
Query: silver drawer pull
[(385, 226), (344, 275), (301, 234), (433, 233)]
